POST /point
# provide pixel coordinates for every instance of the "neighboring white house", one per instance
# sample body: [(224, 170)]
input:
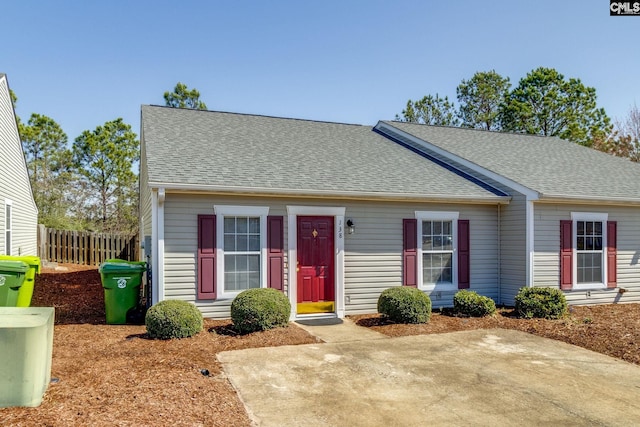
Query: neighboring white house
[(18, 211), (332, 214)]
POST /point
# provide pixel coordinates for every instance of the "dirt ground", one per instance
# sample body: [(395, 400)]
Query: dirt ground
[(106, 375), (113, 375)]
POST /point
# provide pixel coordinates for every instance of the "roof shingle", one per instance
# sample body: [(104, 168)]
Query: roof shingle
[(226, 150), (548, 165)]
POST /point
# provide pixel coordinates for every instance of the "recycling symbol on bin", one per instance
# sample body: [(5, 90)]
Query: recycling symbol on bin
[(122, 283), (3, 279)]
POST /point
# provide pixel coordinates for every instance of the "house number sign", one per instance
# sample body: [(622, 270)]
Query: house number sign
[(340, 230)]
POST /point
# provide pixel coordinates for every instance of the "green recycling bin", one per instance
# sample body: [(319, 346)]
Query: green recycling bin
[(121, 282), (26, 290), (12, 274)]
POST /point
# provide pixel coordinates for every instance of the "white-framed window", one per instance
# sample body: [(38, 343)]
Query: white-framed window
[(437, 247), (8, 226), (590, 245), (241, 245)]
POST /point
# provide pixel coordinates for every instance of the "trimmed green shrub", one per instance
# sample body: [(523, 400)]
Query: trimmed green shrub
[(260, 309), (404, 304), (173, 319), (547, 303), (469, 303)]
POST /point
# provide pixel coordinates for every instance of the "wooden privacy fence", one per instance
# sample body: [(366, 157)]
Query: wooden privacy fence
[(82, 247)]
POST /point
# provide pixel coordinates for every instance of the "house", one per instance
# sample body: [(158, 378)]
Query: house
[(18, 211), (332, 214)]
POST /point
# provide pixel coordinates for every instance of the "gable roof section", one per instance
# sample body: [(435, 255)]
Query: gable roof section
[(239, 153), (554, 168)]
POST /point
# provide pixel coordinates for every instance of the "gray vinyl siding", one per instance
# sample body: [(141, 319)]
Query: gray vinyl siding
[(513, 248), (373, 255), (145, 198), (547, 247), (14, 182)]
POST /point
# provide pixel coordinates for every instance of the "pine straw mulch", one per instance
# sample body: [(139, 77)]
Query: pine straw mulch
[(106, 375), (113, 375)]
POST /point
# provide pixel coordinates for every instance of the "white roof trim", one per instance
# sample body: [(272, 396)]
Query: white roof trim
[(286, 192), (529, 193)]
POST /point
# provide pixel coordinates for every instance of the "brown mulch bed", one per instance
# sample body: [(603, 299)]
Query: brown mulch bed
[(113, 375), (611, 329)]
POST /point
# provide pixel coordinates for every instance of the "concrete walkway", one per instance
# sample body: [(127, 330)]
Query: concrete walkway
[(338, 330), (481, 377)]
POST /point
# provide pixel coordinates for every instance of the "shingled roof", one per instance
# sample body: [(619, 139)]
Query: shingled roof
[(550, 166), (217, 151)]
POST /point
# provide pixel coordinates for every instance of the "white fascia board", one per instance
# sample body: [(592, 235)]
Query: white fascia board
[(589, 200), (327, 194)]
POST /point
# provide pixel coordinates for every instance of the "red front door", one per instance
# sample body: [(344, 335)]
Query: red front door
[(316, 290)]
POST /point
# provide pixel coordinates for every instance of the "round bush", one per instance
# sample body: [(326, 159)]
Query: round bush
[(260, 309), (547, 303), (405, 305), (469, 303), (173, 319)]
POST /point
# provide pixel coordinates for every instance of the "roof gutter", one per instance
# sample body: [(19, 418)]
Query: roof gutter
[(325, 194), (588, 200)]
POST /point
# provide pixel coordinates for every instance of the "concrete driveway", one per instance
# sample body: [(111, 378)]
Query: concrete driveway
[(482, 377)]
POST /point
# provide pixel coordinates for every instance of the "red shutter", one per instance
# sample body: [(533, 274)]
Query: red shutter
[(566, 255), (464, 264), (275, 252), (206, 257), (612, 254), (410, 252)]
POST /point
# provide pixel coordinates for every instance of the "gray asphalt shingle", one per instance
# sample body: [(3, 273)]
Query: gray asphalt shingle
[(548, 165), (205, 148)]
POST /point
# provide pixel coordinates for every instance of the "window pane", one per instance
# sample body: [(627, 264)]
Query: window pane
[(448, 243), (229, 225), (446, 260), (253, 262), (597, 243), (230, 263), (229, 242), (598, 228), (426, 228), (446, 276), (242, 225), (437, 243), (254, 242), (580, 243), (580, 227), (446, 227), (254, 279), (437, 227), (589, 244), (597, 275), (427, 243), (254, 225), (589, 228), (242, 242)]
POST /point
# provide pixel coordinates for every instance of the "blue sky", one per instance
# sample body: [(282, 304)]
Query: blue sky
[(86, 62)]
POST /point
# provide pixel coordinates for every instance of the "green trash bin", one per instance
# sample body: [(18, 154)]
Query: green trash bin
[(121, 282), (12, 274), (26, 290)]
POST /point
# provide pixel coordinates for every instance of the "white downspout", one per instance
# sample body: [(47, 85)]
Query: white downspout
[(160, 261), (499, 254), (157, 245), (530, 241)]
